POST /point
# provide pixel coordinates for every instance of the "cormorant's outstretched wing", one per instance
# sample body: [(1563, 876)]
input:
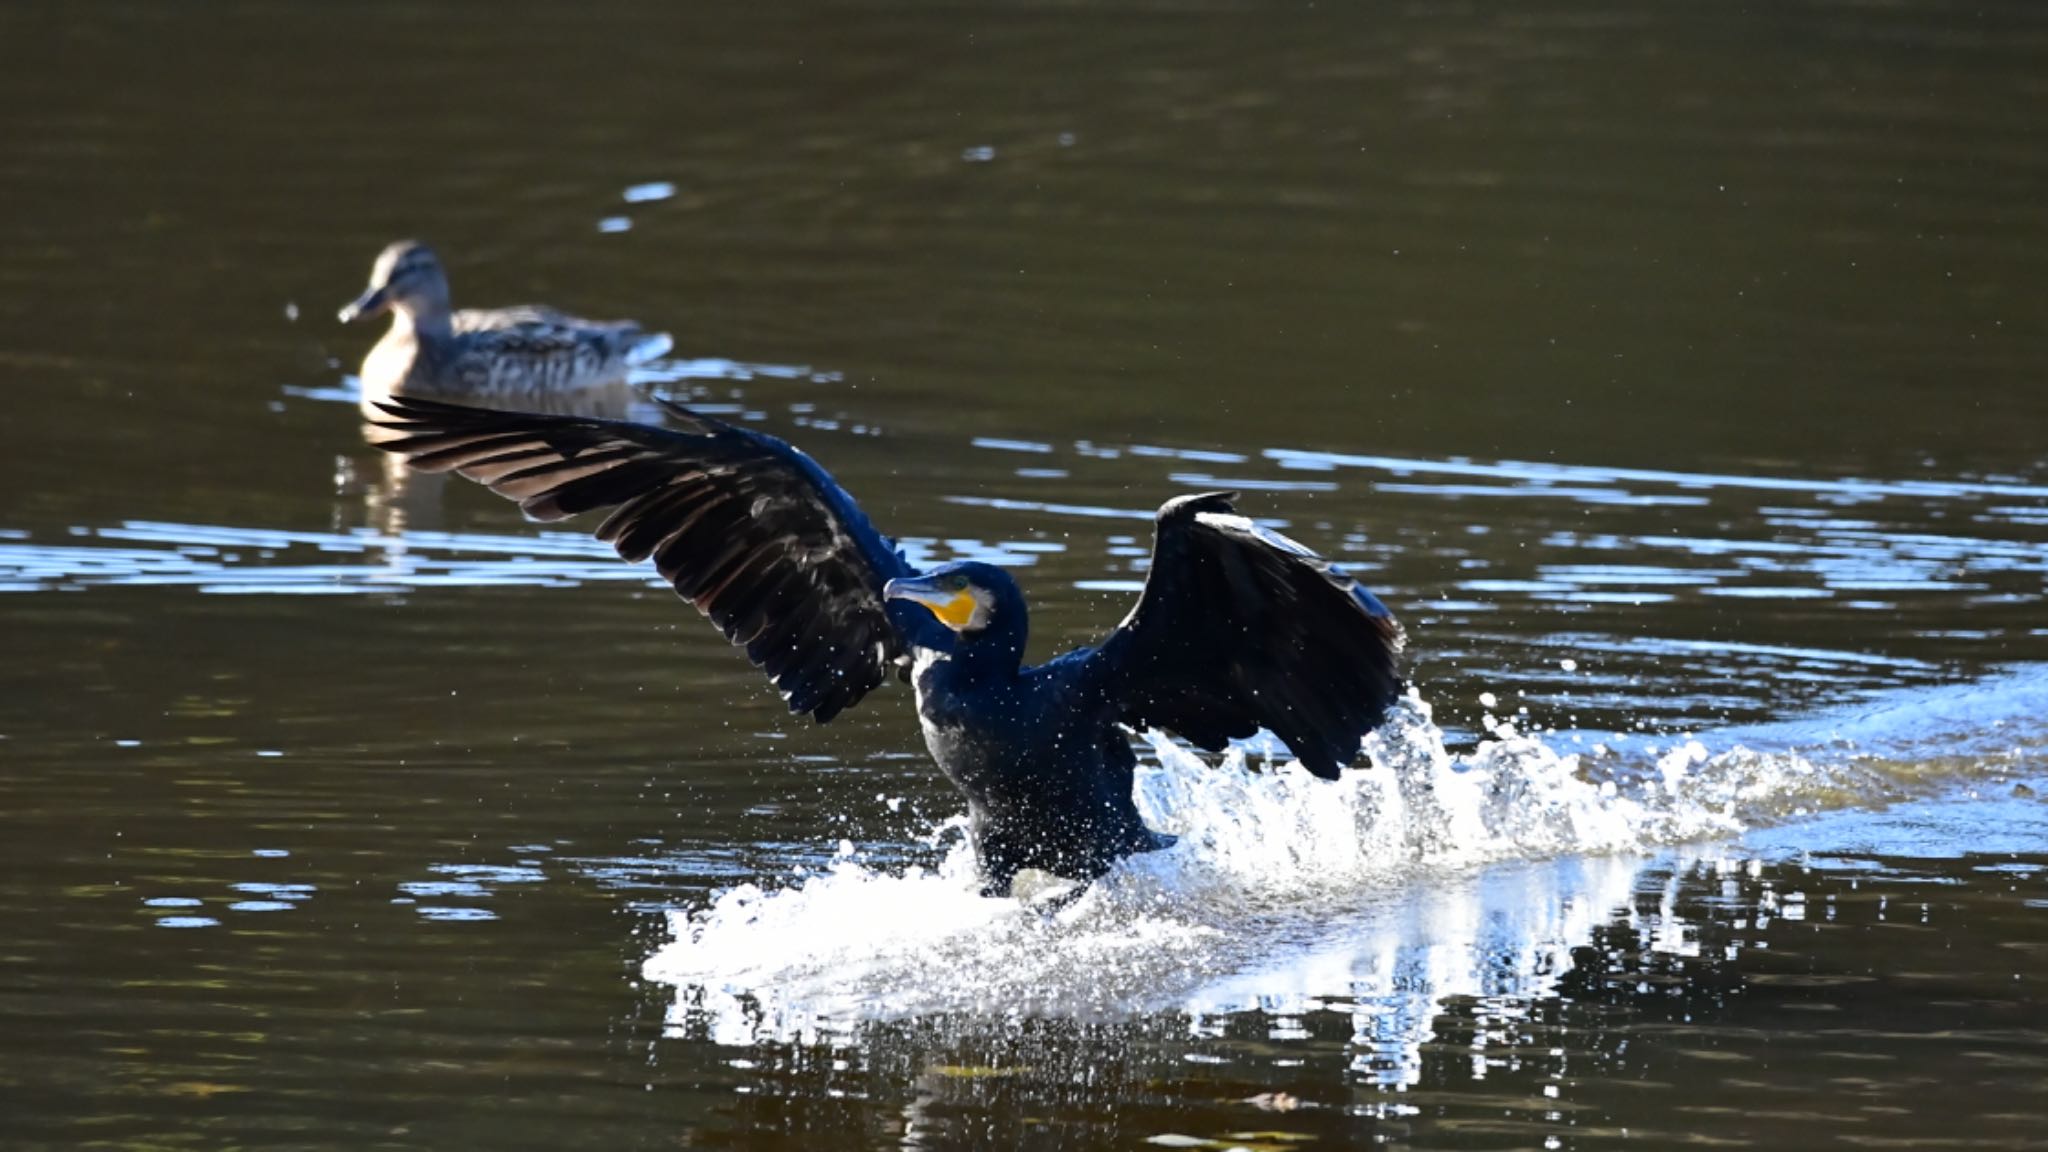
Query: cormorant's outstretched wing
[(1240, 628), (748, 529)]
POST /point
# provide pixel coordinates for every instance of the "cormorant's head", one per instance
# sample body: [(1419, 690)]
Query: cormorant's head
[(408, 277), (964, 596)]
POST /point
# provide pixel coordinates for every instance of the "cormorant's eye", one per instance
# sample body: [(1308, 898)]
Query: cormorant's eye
[(957, 582)]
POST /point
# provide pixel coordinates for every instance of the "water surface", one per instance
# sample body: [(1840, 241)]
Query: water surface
[(1674, 373)]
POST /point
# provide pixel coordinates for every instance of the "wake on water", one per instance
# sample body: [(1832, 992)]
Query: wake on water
[(1429, 871)]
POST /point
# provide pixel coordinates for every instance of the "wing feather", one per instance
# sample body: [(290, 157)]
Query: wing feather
[(1240, 628), (746, 528)]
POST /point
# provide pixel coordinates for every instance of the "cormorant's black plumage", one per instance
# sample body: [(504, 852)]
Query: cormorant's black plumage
[(747, 528), (1238, 628)]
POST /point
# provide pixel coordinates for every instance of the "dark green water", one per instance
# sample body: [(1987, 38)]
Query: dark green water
[(1675, 372)]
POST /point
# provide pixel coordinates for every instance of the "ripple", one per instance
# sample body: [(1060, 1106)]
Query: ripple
[(1606, 477), (1086, 511), (649, 192), (1630, 574), (1001, 445), (1764, 593), (1585, 597), (456, 914), (1829, 657), (1248, 483), (285, 892), (1542, 491), (435, 888), (493, 873)]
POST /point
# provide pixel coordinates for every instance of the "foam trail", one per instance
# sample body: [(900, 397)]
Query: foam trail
[(1447, 873)]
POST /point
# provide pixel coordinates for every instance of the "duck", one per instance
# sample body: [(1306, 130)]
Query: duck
[(528, 357), (1237, 628)]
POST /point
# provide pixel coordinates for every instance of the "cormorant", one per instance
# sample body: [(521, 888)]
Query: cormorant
[(529, 355), (1238, 628)]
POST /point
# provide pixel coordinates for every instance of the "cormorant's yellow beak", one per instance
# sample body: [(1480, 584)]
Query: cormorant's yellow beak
[(955, 609)]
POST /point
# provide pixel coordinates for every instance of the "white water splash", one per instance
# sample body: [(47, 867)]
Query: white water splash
[(1429, 871)]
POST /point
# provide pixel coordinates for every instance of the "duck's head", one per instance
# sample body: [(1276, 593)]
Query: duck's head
[(406, 277), (968, 597)]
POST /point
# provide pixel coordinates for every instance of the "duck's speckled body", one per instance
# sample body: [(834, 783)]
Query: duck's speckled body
[(527, 357)]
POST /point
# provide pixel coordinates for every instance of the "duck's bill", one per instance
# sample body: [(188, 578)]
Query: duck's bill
[(371, 303)]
